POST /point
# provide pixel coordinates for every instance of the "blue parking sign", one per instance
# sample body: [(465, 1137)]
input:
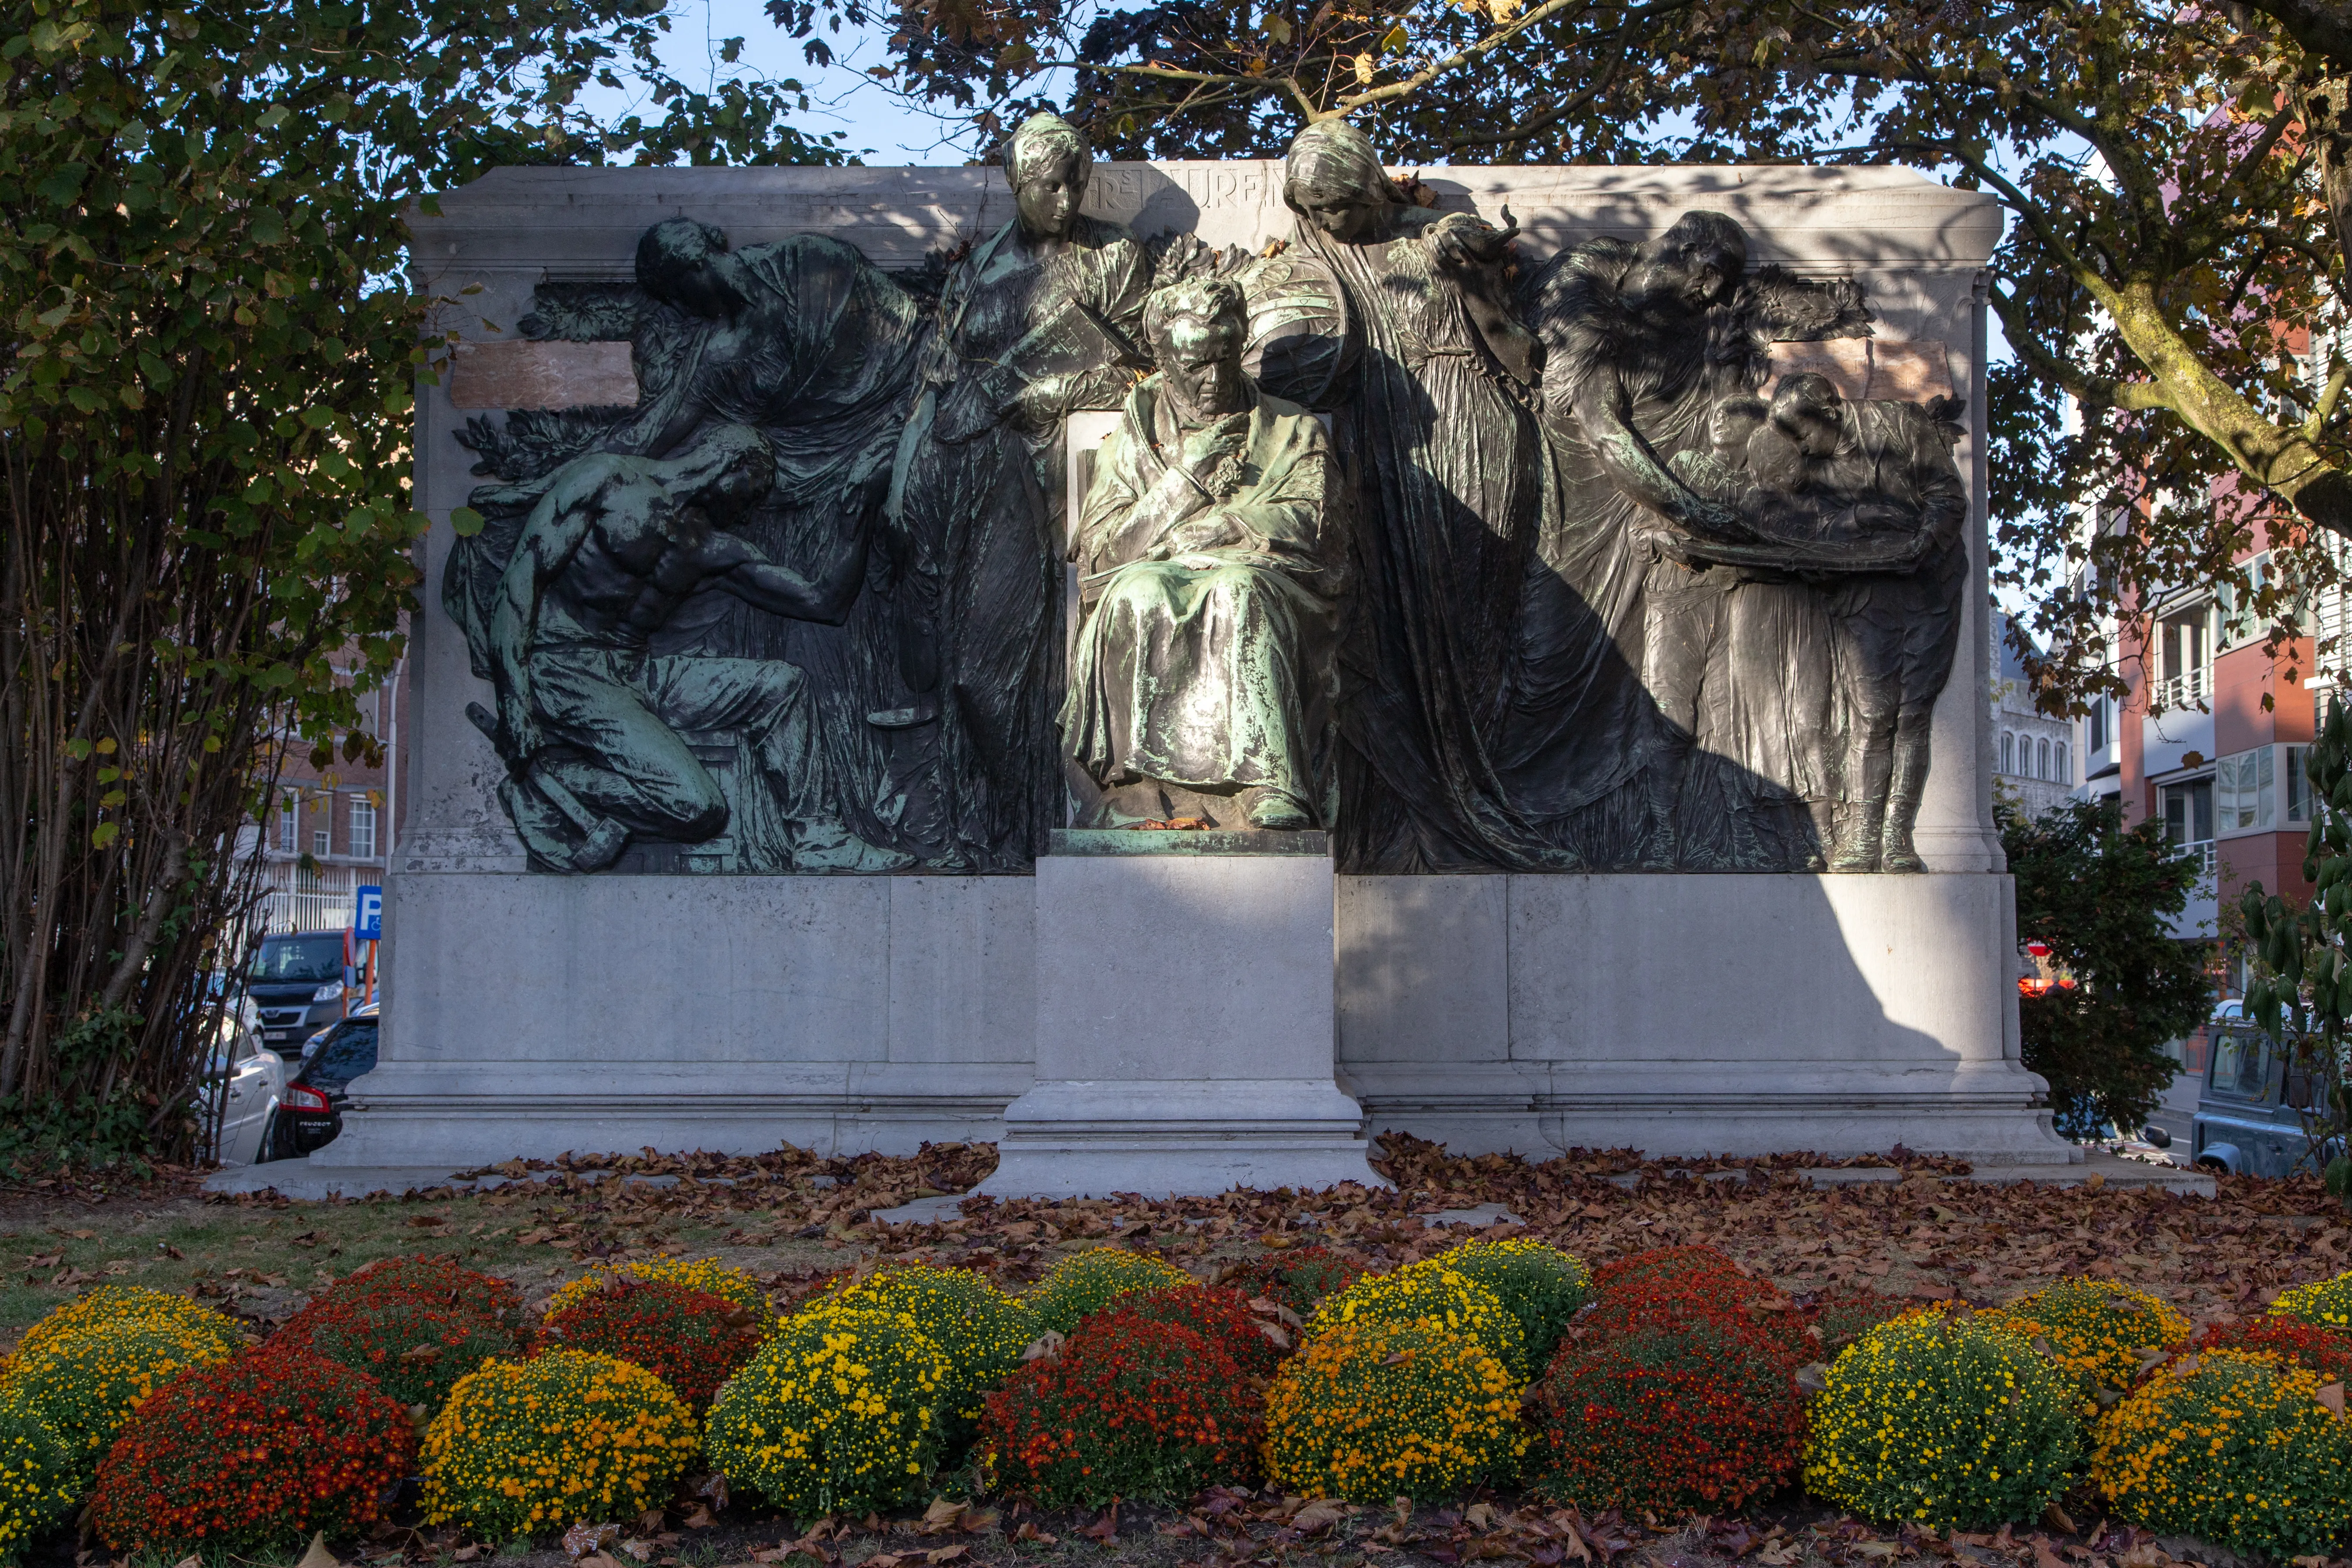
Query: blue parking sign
[(367, 920)]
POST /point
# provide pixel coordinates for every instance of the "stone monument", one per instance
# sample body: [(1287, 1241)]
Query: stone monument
[(1175, 668)]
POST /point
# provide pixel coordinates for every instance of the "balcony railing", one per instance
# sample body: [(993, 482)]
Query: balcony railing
[(2190, 688), (297, 899)]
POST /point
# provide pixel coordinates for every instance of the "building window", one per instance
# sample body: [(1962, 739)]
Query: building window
[(2041, 758), (2298, 783), (2242, 790), (2189, 813), (2096, 724), (289, 824), (362, 828), (2058, 764), (2008, 752), (2185, 645), (322, 837)]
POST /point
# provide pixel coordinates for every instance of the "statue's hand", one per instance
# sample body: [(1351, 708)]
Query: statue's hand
[(1039, 404), (1217, 531), (1714, 520), (519, 736), (1212, 442)]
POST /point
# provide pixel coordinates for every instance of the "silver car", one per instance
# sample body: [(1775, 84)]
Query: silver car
[(244, 1086), (2252, 1106)]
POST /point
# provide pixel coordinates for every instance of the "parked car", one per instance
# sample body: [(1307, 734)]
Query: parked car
[(244, 1084), (2250, 1108), (300, 981), (313, 1111)]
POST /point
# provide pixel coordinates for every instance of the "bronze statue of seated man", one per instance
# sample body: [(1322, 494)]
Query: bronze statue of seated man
[(1209, 583)]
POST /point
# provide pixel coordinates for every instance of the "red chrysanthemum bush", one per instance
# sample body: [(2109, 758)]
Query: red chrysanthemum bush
[(1130, 1407), (1700, 1270), (1669, 1398), (691, 1340), (2327, 1351), (1299, 1279), (1221, 1316), (250, 1454), (437, 1281), (414, 1348)]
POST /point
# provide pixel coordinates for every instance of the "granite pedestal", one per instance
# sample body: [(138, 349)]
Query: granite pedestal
[(1200, 1057)]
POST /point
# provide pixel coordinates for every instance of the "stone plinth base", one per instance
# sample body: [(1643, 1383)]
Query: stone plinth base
[(1185, 1021)]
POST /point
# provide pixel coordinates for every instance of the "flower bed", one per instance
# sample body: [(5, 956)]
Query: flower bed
[(2104, 1334), (2323, 1303), (1539, 1286), (36, 1476), (1089, 1282), (1943, 1420), (1374, 1408), (564, 1437), (1449, 1302), (1134, 1405), (1672, 1401), (842, 1412), (252, 1453), (85, 1385), (694, 1341), (2233, 1447), (707, 1275), (414, 1347), (1298, 1279)]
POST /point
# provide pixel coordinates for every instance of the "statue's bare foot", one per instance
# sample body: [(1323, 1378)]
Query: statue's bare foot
[(830, 846), (1274, 812)]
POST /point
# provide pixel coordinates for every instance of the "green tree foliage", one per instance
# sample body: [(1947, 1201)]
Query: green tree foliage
[(2102, 896), (2302, 991), (2178, 181), (203, 442)]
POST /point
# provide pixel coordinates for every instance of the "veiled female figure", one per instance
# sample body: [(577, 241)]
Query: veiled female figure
[(1434, 429)]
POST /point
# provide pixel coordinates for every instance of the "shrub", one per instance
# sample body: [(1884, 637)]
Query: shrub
[(707, 1275), (1089, 1282), (1299, 1280), (1133, 1406), (1540, 1285), (1672, 1265), (691, 1340), (842, 1412), (1944, 1420), (1674, 1405), (2102, 1333), (2322, 1351), (979, 1330), (1219, 1315), (85, 1385), (1373, 1409), (124, 1303), (255, 1452), (441, 1282), (414, 1347), (1843, 1313), (2323, 1303), (1449, 1302), (2233, 1447), (564, 1437), (36, 1476)]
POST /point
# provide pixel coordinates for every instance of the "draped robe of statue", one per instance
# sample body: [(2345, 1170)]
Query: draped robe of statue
[(1442, 451), (978, 520), (1211, 669), (819, 362)]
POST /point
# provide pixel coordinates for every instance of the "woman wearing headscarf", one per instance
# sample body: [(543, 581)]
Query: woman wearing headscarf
[(1435, 430)]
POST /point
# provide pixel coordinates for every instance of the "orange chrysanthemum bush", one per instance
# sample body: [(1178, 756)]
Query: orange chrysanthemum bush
[(2235, 1447), (691, 1340), (1698, 1268), (1218, 1314), (125, 1303), (1299, 1279), (250, 1454), (1378, 1408), (2323, 1303), (2323, 1350), (1669, 1398), (2100, 1333), (1135, 1404), (564, 1437), (85, 1385)]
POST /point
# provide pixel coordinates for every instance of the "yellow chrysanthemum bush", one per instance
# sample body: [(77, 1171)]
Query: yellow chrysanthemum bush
[(2234, 1448), (36, 1477), (2100, 1333), (843, 1412), (980, 1329), (1445, 1299), (1089, 1282), (1539, 1286), (1375, 1408), (1947, 1420), (2323, 1303), (84, 1384), (566, 1437), (707, 1275), (126, 1304)]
